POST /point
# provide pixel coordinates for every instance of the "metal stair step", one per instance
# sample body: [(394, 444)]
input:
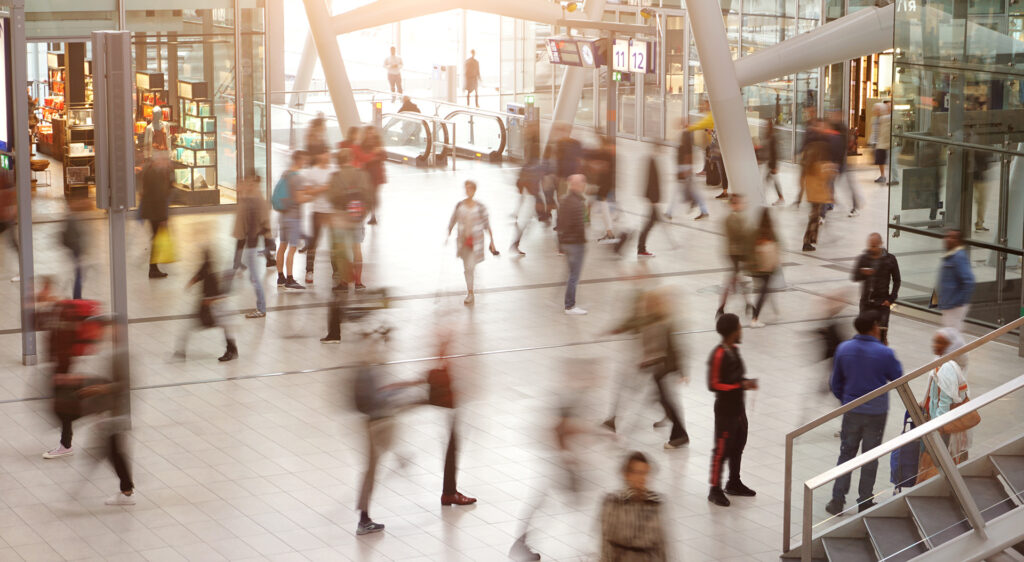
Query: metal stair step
[(940, 518), (895, 538), (849, 550), (990, 496), (1012, 469)]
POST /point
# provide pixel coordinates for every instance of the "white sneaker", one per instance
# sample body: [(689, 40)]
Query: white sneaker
[(16, 279), (575, 311), (757, 324), (59, 452), (121, 499), (604, 240), (854, 213)]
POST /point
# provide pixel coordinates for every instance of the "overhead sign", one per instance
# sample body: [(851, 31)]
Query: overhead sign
[(620, 55), (641, 59), (563, 50)]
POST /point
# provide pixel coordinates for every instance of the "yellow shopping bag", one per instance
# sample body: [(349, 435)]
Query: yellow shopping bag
[(163, 247)]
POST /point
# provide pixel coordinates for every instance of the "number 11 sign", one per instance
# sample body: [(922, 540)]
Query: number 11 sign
[(620, 55)]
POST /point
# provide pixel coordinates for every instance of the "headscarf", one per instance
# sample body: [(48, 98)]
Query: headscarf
[(948, 376)]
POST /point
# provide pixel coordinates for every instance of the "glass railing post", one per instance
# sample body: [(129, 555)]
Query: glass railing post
[(787, 495)]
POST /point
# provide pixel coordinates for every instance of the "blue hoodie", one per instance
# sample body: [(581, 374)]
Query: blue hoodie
[(861, 365)]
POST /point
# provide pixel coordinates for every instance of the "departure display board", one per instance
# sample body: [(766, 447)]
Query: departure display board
[(563, 50)]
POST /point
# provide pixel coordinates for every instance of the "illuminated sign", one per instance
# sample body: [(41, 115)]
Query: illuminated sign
[(5, 90), (563, 50), (620, 55), (640, 56)]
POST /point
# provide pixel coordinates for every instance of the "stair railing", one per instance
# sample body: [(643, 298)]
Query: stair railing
[(933, 442)]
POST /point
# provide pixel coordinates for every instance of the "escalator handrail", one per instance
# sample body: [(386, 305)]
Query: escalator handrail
[(490, 114), (409, 116)]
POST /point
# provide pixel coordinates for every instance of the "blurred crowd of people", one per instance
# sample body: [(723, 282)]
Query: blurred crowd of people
[(573, 188)]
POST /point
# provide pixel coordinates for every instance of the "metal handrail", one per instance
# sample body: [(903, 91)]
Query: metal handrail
[(896, 384), (919, 432)]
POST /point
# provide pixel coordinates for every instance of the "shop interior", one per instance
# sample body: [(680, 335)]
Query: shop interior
[(870, 82), (183, 108)]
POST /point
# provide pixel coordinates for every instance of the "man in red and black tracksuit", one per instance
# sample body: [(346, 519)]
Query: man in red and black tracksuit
[(726, 379)]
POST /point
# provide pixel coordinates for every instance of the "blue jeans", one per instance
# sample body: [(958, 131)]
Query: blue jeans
[(862, 431), (574, 252), (249, 258)]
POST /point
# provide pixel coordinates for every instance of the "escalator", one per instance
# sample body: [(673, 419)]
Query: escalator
[(407, 138), (478, 134)]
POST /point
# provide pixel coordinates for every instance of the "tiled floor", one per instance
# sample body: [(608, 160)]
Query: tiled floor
[(261, 458)]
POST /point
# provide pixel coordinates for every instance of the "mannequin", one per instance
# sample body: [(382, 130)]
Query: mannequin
[(157, 136)]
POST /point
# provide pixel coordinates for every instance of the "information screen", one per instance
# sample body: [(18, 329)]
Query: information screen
[(620, 55), (5, 90), (564, 51)]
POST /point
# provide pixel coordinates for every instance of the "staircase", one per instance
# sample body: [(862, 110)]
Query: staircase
[(926, 523)]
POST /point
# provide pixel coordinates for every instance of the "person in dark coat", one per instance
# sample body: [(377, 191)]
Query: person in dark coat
[(653, 196), (157, 183), (472, 77), (878, 270)]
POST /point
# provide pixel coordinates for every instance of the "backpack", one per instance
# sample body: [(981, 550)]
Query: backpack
[(903, 462), (281, 198), (364, 395)]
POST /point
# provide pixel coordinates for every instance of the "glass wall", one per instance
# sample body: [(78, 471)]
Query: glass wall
[(957, 149), (198, 91)]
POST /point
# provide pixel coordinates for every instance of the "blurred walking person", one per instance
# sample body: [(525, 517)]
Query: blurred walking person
[(653, 196), (736, 237), (572, 238), (653, 320), (764, 261), (317, 179), (288, 197), (879, 274), (75, 238), (210, 305), (372, 157), (817, 187), (684, 173), (956, 282), (601, 165), (727, 379), (529, 186), (631, 519), (252, 221), (157, 183), (471, 217), (771, 147)]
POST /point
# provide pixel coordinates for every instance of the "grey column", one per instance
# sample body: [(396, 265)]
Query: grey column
[(22, 172)]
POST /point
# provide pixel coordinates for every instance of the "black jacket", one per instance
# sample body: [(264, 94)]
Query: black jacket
[(726, 374), (570, 220), (875, 289)]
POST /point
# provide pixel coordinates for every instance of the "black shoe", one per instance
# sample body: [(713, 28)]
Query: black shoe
[(331, 339), (372, 221), (717, 497), (231, 353), (719, 312), (271, 262), (281, 280), (340, 288), (521, 551), (737, 488), (610, 424), (809, 248), (155, 273), (864, 506), (677, 443), (360, 286), (834, 507)]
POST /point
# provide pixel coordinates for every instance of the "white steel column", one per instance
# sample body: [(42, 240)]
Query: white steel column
[(274, 24), (571, 90), (726, 99), (304, 74), (333, 66)]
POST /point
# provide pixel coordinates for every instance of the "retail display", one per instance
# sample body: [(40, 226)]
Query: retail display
[(151, 92), (195, 146), (65, 130)]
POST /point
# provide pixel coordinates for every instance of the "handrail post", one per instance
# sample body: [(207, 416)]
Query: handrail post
[(806, 535), (916, 415), (787, 496), (940, 454)]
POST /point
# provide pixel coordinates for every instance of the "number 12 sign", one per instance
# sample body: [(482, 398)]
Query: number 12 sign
[(640, 57), (620, 55)]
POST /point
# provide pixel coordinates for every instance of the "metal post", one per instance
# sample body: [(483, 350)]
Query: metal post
[(22, 173), (270, 73), (115, 174), (611, 126), (787, 495)]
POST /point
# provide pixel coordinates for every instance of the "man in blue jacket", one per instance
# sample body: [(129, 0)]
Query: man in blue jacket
[(861, 365), (956, 282)]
